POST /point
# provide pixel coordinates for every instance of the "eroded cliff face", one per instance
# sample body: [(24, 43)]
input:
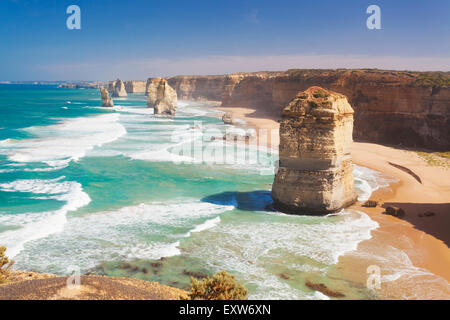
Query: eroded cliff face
[(161, 96), (315, 174), (135, 86), (199, 87), (391, 107)]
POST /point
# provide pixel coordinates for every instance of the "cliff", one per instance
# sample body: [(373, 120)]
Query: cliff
[(135, 86), (315, 174), (405, 108), (161, 96), (22, 285)]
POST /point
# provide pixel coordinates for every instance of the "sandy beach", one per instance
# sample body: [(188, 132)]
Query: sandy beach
[(411, 252)]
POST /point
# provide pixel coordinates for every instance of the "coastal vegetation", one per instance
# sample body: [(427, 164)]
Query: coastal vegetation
[(221, 286), (436, 159), (433, 79), (5, 263)]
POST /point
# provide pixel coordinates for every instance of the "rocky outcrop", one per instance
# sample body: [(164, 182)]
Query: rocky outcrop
[(161, 97), (117, 88), (405, 108), (135, 86), (107, 102), (228, 118), (315, 174)]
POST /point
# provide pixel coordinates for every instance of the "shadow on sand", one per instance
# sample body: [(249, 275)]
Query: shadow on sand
[(431, 218)]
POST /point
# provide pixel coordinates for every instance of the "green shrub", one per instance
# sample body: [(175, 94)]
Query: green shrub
[(222, 286), (321, 94), (313, 104), (433, 79), (4, 263)]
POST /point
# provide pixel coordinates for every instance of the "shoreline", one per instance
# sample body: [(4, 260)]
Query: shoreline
[(416, 244)]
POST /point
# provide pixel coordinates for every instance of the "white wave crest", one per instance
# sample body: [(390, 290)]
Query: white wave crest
[(35, 226), (59, 144)]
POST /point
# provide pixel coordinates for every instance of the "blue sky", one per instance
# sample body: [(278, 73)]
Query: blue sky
[(136, 39)]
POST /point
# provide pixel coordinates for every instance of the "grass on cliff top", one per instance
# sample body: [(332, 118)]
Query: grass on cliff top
[(321, 94), (433, 79), (436, 159)]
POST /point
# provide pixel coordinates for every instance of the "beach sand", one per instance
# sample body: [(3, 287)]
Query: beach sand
[(411, 252)]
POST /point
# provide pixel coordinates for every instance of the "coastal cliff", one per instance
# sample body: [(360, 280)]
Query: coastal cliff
[(135, 86), (405, 108), (315, 175)]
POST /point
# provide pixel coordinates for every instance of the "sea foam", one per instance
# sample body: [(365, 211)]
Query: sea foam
[(34, 226), (57, 145), (144, 231)]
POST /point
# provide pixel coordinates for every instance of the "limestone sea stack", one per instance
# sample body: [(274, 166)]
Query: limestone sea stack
[(107, 102), (315, 174), (161, 97), (118, 89), (228, 118)]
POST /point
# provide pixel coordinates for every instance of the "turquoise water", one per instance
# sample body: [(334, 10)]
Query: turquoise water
[(109, 191)]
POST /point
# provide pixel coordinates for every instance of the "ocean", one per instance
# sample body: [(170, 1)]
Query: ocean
[(118, 192)]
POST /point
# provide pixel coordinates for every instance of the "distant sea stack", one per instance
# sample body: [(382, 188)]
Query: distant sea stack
[(107, 102), (161, 97), (315, 175), (118, 88)]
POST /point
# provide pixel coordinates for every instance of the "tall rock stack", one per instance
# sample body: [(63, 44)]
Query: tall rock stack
[(107, 102), (315, 175), (161, 97), (118, 88)]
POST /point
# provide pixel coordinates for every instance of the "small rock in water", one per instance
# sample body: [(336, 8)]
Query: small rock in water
[(324, 289), (228, 118), (284, 276), (195, 274), (156, 264)]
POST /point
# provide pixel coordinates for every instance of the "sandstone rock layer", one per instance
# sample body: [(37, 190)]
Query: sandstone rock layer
[(161, 97), (107, 102), (405, 108), (135, 86), (315, 174)]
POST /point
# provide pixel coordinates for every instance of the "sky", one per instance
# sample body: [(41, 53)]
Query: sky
[(137, 39)]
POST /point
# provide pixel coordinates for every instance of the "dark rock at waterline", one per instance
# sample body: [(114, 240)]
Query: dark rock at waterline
[(156, 264), (395, 211), (195, 274), (370, 204), (324, 289)]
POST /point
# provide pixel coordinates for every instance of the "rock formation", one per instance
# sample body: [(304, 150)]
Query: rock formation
[(391, 107), (315, 174), (135, 86), (228, 118), (107, 102), (161, 97), (118, 88)]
